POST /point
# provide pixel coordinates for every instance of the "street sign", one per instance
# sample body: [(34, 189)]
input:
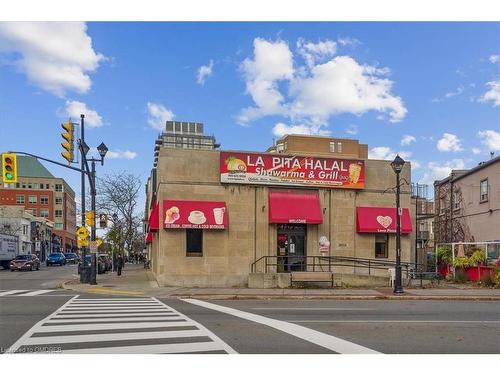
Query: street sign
[(82, 233), (93, 247), (82, 243), (99, 242)]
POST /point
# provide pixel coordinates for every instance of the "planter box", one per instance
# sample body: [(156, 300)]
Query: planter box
[(444, 270), (475, 273)]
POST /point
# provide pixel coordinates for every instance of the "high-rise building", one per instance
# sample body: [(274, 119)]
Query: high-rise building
[(46, 196)]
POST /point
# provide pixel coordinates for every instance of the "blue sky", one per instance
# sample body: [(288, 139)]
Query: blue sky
[(430, 91)]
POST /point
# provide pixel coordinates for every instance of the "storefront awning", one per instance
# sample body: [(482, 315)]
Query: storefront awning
[(149, 237), (154, 218), (381, 220), (289, 206), (194, 215)]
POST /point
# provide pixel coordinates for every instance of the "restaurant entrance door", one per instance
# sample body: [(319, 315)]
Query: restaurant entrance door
[(291, 247)]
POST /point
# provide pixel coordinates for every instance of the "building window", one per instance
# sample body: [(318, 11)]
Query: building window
[(20, 199), (194, 242), (339, 147), (33, 212), (332, 146), (32, 199), (58, 225), (25, 230), (23, 185), (484, 190), (18, 185), (441, 206), (44, 199), (44, 212), (58, 213), (47, 186), (59, 187), (58, 200), (30, 186), (36, 185), (381, 245), (456, 200), (280, 147)]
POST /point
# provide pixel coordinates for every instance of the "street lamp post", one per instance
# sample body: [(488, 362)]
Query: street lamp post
[(397, 166), (115, 221)]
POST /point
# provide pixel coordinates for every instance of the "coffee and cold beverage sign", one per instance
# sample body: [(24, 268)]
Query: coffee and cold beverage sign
[(194, 215)]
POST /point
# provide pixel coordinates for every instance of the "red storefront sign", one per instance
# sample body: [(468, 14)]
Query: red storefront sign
[(194, 215), (290, 170), (381, 220)]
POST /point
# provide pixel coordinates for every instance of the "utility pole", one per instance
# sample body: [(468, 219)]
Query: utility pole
[(83, 270)]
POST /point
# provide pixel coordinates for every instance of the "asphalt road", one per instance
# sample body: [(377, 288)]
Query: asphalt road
[(34, 315)]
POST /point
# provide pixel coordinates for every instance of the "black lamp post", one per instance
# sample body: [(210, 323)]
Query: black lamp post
[(118, 225), (397, 166)]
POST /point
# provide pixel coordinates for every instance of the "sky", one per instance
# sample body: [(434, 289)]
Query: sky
[(428, 91)]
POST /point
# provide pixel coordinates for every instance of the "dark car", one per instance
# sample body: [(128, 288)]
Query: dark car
[(28, 262), (56, 258), (71, 258), (88, 264)]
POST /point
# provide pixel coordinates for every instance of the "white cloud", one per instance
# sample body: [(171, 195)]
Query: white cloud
[(491, 139), (158, 115), (476, 151), (204, 71), (352, 129), (75, 108), (386, 153), (314, 52), (281, 129), (440, 170), (493, 94), (348, 41), (407, 140), (56, 56), (119, 154), (317, 91), (494, 59), (449, 142), (450, 94)]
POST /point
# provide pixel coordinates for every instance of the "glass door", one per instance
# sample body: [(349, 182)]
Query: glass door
[(291, 248)]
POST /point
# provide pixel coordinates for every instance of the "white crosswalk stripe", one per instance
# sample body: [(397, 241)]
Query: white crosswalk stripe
[(119, 325), (26, 293)]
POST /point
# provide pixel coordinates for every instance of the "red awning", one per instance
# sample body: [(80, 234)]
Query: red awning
[(154, 218), (294, 206), (149, 237), (381, 220)]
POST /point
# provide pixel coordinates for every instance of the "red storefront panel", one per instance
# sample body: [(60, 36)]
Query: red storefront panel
[(194, 214), (381, 220), (288, 206), (154, 218), (149, 237)]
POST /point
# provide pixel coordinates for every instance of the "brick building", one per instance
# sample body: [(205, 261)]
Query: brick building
[(45, 196)]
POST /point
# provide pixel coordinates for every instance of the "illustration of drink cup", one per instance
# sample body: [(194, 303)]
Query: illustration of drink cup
[(219, 215), (354, 173)]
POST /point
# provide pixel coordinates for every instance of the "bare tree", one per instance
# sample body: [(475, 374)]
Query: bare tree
[(118, 194)]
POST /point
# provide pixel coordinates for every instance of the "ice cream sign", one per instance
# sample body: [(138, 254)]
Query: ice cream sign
[(269, 169), (194, 215)]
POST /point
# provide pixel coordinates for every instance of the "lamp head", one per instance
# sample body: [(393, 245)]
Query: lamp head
[(102, 149), (397, 164)]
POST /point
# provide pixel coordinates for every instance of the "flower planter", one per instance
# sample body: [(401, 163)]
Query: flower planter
[(475, 273), (444, 270)]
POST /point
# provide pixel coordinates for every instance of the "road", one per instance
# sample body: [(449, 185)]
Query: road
[(36, 317)]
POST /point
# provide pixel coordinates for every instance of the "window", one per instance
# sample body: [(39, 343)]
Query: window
[(194, 242), (44, 199), (33, 212), (23, 185), (32, 199), (18, 185), (47, 186), (339, 147), (441, 206), (58, 225), (36, 185), (456, 200), (58, 200), (280, 147), (59, 187), (30, 186), (332, 146), (44, 212), (58, 213), (484, 190), (25, 230), (20, 199), (381, 245)]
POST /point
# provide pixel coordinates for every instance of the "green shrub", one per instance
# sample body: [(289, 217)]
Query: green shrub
[(477, 257), (496, 278), (461, 276), (487, 280), (461, 262), (443, 254)]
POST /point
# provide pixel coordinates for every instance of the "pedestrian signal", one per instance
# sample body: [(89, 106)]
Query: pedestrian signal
[(103, 220), (9, 167), (68, 145)]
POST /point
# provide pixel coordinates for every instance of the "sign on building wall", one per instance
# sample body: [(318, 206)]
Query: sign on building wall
[(266, 169), (194, 215)]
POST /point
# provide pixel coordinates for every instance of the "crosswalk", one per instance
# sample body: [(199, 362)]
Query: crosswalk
[(118, 325), (27, 292)]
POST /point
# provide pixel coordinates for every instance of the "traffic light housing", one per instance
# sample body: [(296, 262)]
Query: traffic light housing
[(68, 145), (103, 221), (89, 218), (9, 167)]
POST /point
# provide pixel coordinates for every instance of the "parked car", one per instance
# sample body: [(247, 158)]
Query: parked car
[(56, 258), (27, 262), (71, 258), (88, 263), (106, 260)]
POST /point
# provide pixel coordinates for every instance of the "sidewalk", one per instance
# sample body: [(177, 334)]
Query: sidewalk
[(137, 281)]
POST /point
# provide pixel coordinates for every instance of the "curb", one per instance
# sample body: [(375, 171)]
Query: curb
[(98, 290)]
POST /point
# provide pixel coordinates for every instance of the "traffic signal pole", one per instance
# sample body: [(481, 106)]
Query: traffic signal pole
[(83, 269), (93, 277)]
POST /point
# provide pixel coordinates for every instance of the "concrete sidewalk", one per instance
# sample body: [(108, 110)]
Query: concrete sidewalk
[(137, 281)]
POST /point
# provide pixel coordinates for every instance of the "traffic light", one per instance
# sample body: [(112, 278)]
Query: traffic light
[(9, 167), (103, 221), (68, 136), (89, 218)]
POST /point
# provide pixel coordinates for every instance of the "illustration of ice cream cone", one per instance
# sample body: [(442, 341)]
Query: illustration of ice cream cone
[(354, 173)]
